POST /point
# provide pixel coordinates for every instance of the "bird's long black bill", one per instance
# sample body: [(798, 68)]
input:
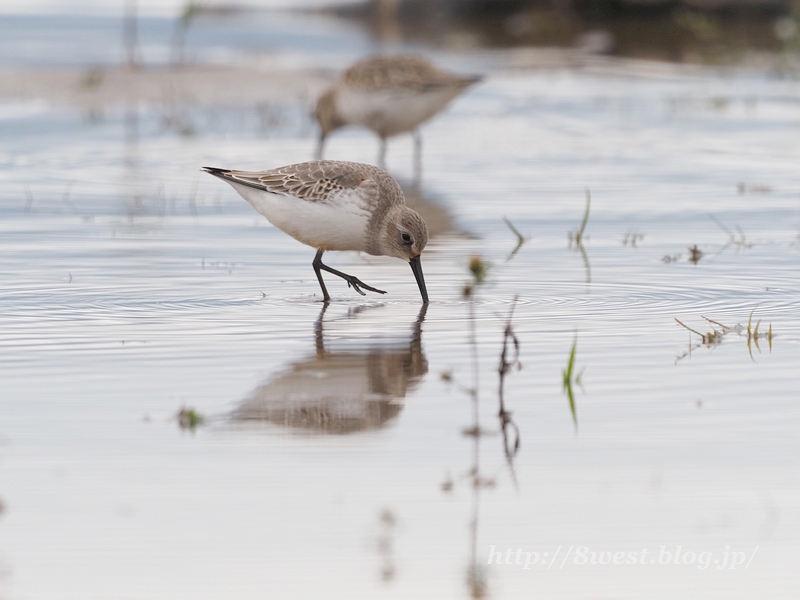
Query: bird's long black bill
[(416, 267)]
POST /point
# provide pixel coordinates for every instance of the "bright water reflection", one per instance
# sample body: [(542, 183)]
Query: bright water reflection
[(341, 390)]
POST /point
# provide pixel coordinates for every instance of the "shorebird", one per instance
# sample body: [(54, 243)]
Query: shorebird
[(389, 95), (336, 205)]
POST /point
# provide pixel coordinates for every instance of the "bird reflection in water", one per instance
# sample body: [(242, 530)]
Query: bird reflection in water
[(341, 391)]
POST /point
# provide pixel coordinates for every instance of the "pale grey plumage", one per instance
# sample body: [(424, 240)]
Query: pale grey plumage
[(388, 94), (336, 205)]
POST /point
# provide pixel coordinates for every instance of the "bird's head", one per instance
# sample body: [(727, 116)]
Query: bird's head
[(326, 113), (405, 236), (404, 233)]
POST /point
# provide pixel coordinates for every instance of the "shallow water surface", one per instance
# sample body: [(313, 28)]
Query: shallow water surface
[(333, 453)]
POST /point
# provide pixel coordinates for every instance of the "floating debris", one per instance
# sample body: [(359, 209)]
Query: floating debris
[(753, 189), (447, 484)]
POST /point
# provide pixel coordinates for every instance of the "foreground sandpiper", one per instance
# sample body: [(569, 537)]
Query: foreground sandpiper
[(389, 95), (335, 205)]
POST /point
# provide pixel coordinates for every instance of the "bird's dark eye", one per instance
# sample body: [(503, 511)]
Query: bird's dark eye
[(406, 238)]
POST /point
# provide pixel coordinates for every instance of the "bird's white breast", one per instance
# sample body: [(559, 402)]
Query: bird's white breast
[(338, 223)]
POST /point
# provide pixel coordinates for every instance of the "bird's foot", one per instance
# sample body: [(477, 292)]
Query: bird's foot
[(357, 284)]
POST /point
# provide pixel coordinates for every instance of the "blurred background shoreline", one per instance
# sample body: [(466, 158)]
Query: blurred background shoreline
[(238, 55), (698, 31), (715, 32)]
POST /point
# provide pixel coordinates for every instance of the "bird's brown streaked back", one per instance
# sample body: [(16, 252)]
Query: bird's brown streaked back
[(317, 181), (404, 71)]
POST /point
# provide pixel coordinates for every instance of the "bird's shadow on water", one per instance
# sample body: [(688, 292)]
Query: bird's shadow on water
[(433, 209), (355, 387)]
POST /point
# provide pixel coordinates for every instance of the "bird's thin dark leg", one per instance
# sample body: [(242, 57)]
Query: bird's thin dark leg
[(417, 158), (356, 283), (382, 154), (317, 264)]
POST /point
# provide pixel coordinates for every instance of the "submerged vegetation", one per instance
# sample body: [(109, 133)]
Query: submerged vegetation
[(737, 240), (695, 254), (385, 544), (632, 239), (478, 269), (509, 359), (751, 333), (569, 377), (521, 239), (577, 237), (189, 418)]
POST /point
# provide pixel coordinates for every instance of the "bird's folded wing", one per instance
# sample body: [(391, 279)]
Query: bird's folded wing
[(319, 182)]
